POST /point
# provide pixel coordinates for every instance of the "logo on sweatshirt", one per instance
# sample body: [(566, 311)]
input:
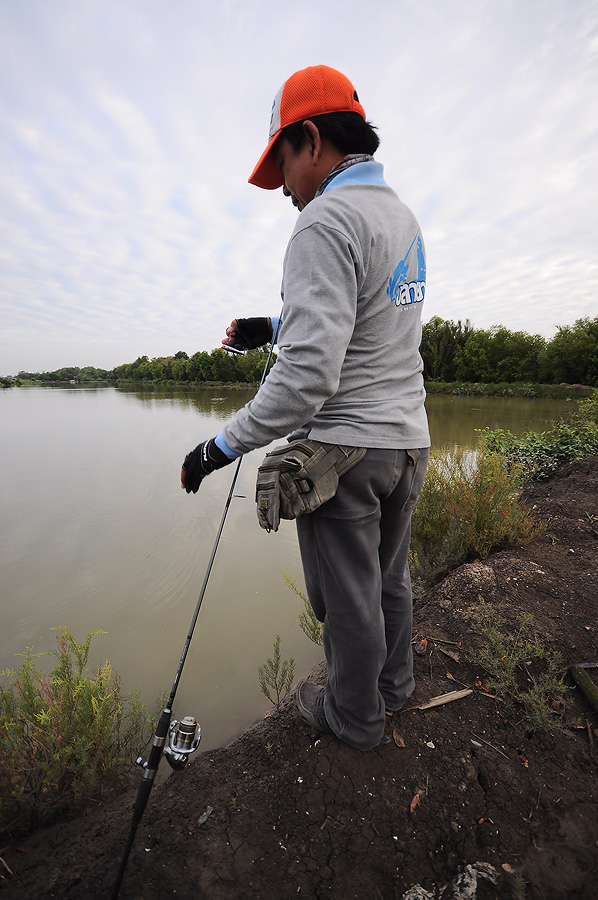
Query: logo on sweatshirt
[(402, 292)]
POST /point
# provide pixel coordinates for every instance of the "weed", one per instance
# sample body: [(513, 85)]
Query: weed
[(64, 736), (505, 658), (516, 882), (276, 674), (309, 624), (468, 505), (538, 455)]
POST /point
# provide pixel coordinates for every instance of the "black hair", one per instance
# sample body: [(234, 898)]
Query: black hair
[(348, 131)]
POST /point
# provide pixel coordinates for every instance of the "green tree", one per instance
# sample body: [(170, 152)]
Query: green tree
[(473, 358), (195, 371), (252, 365), (497, 355), (526, 350), (440, 341), (572, 355), (179, 368), (224, 366), (90, 373), (514, 354)]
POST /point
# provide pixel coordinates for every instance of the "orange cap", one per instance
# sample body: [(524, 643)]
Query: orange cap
[(310, 92)]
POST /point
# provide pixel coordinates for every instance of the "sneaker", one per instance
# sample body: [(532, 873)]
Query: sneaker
[(309, 703)]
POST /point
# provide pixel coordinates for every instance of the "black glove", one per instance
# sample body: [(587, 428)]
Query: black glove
[(252, 333), (206, 458)]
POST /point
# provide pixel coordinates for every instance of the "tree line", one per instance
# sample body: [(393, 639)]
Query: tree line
[(202, 367), (451, 351), (458, 352)]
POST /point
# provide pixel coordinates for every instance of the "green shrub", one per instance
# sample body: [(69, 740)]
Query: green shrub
[(539, 455), (505, 658), (309, 624), (276, 675), (65, 736), (469, 504), (508, 389)]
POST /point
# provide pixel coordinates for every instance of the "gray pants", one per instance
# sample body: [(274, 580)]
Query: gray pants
[(354, 551)]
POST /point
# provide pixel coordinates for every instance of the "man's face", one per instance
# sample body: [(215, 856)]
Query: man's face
[(301, 178)]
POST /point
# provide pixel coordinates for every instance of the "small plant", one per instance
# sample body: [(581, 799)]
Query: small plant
[(516, 882), (64, 736), (309, 624), (505, 657), (276, 675), (469, 504)]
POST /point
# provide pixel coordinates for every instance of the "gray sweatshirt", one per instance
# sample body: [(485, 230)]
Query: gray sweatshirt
[(348, 369)]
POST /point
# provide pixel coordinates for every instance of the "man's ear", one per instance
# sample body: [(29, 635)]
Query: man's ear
[(314, 138)]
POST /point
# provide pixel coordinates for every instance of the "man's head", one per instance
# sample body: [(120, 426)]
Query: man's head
[(327, 99)]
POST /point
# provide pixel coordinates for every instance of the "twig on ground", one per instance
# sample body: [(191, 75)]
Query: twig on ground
[(456, 680), (6, 866), (441, 699), (491, 696), (492, 747), (450, 653), (534, 809)]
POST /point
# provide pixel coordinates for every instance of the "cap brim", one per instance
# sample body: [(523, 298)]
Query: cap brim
[(266, 174)]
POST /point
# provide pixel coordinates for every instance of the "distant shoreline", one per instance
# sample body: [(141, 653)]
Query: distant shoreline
[(514, 389)]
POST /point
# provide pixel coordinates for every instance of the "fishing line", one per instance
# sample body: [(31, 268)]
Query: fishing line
[(184, 735)]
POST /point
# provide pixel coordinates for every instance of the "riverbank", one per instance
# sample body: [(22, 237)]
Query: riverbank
[(284, 812), (460, 389), (510, 389)]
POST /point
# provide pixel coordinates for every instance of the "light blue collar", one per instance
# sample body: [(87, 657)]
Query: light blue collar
[(370, 172)]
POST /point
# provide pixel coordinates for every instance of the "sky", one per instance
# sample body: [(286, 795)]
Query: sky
[(129, 128)]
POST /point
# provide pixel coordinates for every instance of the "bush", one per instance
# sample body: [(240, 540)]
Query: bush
[(65, 736), (276, 674), (538, 455), (508, 389), (506, 657), (308, 622), (468, 505)]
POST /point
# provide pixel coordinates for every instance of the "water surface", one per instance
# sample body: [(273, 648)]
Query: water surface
[(95, 533)]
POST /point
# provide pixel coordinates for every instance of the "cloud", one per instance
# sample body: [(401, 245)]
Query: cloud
[(129, 131)]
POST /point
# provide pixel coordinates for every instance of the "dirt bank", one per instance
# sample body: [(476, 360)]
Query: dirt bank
[(298, 814)]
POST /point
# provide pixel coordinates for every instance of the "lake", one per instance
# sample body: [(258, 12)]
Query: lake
[(95, 533)]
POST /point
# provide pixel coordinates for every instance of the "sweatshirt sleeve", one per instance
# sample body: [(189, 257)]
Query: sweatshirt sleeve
[(321, 274)]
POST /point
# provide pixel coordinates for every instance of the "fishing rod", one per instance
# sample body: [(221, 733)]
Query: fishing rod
[(183, 736)]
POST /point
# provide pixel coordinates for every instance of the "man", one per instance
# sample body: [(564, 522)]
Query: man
[(348, 372)]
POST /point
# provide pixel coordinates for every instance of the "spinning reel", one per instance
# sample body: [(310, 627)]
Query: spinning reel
[(184, 740)]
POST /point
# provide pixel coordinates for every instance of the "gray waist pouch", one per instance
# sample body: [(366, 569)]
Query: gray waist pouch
[(299, 477)]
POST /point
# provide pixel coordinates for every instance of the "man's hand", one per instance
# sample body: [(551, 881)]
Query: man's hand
[(206, 458), (247, 334)]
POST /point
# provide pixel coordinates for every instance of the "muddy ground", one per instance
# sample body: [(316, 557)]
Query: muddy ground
[(294, 813)]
